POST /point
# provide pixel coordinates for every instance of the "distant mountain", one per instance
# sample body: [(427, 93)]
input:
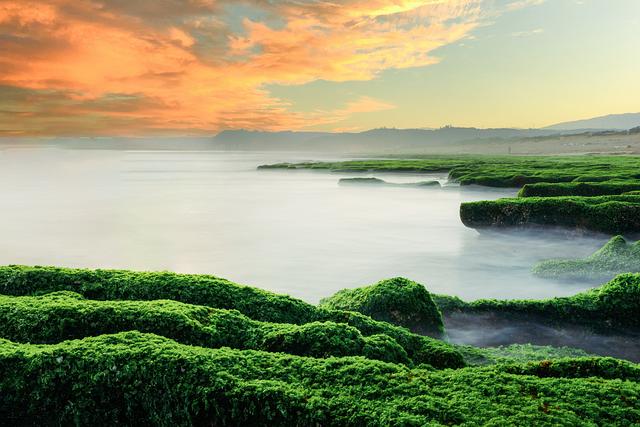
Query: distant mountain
[(610, 122), (375, 140)]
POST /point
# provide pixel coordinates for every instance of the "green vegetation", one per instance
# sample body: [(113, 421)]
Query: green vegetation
[(594, 193), (66, 315), (614, 306), (605, 214), (210, 291), (587, 189), (519, 353), (548, 177), (615, 257), (381, 182), (495, 171), (198, 289), (120, 347), (399, 301), (134, 377)]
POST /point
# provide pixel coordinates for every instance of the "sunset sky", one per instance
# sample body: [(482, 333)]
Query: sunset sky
[(195, 67)]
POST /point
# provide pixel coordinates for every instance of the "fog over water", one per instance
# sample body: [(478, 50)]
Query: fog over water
[(294, 232)]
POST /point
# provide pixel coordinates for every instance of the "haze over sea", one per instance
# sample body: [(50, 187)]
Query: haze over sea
[(294, 232)]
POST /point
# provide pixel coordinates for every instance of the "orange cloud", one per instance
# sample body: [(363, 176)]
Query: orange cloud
[(182, 66)]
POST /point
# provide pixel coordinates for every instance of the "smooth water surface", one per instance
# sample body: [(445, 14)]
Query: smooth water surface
[(294, 232)]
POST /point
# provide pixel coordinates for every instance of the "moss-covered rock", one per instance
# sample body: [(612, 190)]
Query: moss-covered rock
[(134, 378), (604, 214), (611, 308), (60, 316), (398, 300), (426, 184), (518, 353), (615, 257), (210, 291), (495, 171), (198, 289), (381, 182), (587, 189), (360, 180)]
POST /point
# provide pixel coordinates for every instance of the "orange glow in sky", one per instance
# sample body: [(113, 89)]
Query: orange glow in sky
[(121, 67)]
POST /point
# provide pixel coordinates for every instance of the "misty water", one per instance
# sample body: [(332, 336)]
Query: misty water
[(293, 232)]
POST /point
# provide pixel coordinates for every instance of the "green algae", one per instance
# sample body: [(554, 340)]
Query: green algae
[(399, 301), (615, 257)]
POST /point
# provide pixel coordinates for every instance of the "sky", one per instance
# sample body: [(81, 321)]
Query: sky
[(197, 67)]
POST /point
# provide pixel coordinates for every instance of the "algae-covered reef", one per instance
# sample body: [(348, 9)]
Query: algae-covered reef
[(134, 377), (120, 347), (65, 315), (614, 306), (604, 214), (213, 292), (399, 301), (199, 289), (381, 182), (494, 171), (587, 189), (594, 193), (616, 257)]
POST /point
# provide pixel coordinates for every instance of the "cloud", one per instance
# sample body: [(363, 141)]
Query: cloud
[(528, 33), (197, 66), (521, 4)]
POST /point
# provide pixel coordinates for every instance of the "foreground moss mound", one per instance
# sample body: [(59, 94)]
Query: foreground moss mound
[(60, 316), (605, 214), (398, 300), (133, 377), (199, 289), (614, 306), (117, 347), (213, 292), (616, 257)]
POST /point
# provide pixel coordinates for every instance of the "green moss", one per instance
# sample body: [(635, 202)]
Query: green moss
[(605, 214), (551, 177), (496, 171), (198, 289), (613, 307), (65, 315), (134, 378), (581, 367), (615, 257), (204, 290), (587, 189), (381, 182), (398, 300), (518, 353), (318, 371), (420, 349)]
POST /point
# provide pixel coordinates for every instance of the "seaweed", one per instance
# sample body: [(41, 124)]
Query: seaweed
[(603, 214), (615, 257), (135, 378), (614, 306), (399, 301)]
